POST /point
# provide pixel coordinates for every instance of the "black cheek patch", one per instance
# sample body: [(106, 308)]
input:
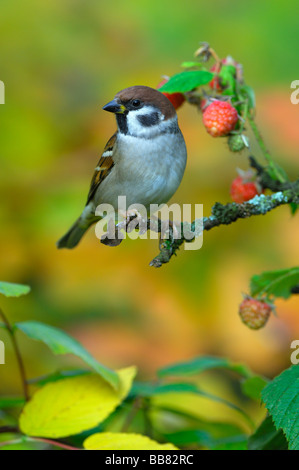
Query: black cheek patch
[(148, 120)]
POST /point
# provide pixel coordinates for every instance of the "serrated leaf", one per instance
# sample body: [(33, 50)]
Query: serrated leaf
[(74, 405), (253, 386), (281, 398), (13, 290), (186, 81), (201, 364), (277, 283), (61, 343), (266, 437), (123, 441)]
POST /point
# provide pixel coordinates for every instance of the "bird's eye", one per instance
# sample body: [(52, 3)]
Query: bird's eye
[(136, 103)]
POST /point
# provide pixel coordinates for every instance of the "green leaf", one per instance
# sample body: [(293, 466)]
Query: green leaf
[(61, 343), (253, 386), (149, 389), (227, 77), (277, 283), (23, 443), (123, 441), (281, 398), (250, 95), (189, 437), (294, 207), (204, 433), (201, 364), (240, 443), (190, 64), (74, 405), (59, 375), (266, 437), (11, 402), (187, 81), (13, 290)]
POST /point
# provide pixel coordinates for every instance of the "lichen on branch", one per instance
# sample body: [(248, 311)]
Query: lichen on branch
[(226, 215)]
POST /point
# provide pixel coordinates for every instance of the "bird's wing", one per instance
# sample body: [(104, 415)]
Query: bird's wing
[(103, 168)]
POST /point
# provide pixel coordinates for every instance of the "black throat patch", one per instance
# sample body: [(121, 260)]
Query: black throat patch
[(122, 123)]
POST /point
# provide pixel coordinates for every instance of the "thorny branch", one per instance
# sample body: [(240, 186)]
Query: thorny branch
[(284, 193)]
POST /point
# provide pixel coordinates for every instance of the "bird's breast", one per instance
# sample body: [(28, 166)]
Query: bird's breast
[(146, 171)]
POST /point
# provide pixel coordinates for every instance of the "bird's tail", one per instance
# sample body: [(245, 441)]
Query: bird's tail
[(73, 236)]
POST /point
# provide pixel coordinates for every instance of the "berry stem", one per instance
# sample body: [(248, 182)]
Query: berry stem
[(264, 149)]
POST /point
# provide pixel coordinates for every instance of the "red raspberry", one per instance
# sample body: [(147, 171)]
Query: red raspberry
[(242, 191), (220, 118), (177, 99), (254, 313)]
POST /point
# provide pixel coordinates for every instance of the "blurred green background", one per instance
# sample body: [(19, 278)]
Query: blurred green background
[(61, 61)]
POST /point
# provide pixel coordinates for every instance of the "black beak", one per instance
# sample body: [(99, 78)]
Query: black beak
[(114, 107)]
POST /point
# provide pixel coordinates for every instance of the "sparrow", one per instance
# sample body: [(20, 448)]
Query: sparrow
[(144, 160)]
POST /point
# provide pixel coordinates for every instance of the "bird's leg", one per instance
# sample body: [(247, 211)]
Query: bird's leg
[(133, 219), (168, 226), (113, 237)]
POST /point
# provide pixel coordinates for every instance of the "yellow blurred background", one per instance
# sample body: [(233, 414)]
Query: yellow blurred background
[(61, 62)]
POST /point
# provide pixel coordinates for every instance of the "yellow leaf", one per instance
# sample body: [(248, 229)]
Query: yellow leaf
[(73, 405), (123, 441)]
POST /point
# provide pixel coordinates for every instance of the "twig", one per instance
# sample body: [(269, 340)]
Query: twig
[(38, 439), (17, 353), (53, 443), (285, 192), (226, 215), (266, 181)]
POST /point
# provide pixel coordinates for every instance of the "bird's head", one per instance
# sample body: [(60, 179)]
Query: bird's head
[(142, 111)]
